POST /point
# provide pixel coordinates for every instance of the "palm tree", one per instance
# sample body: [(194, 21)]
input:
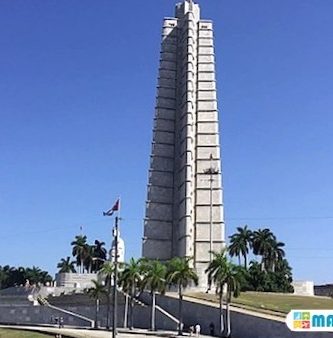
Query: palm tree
[(17, 276), (3, 277), (79, 250), (129, 280), (232, 276), (107, 271), (96, 292), (154, 280), (216, 271), (284, 277), (257, 277), (275, 255), (33, 274), (99, 255), (262, 244), (88, 260), (240, 243), (66, 265), (181, 274)]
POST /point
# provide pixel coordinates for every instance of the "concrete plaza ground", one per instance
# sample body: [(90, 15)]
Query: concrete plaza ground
[(89, 333)]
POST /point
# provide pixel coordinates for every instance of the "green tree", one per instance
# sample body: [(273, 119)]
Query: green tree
[(129, 280), (17, 276), (181, 274), (262, 241), (257, 277), (88, 260), (233, 278), (11, 276), (275, 254), (79, 250), (99, 255), (216, 272), (154, 279), (66, 265), (96, 292), (240, 243), (107, 271), (4, 276), (35, 275), (283, 276)]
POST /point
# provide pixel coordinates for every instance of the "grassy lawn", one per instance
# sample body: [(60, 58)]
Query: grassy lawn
[(7, 333), (282, 303)]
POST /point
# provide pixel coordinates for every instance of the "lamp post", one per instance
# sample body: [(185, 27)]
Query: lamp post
[(211, 171)]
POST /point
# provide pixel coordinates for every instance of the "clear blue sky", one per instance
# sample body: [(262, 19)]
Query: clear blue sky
[(77, 93)]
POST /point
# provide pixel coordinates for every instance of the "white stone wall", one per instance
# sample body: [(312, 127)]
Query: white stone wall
[(75, 280), (303, 288)]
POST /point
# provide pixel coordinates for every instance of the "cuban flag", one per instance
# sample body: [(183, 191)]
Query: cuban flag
[(115, 207)]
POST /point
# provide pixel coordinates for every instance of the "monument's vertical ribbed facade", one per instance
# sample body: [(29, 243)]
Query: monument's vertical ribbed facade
[(184, 211)]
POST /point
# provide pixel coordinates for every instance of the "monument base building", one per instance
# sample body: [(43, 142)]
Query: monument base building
[(184, 209)]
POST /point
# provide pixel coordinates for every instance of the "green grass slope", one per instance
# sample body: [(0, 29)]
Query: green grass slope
[(7, 333), (275, 302)]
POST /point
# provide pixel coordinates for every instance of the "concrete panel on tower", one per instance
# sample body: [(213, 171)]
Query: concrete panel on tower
[(158, 229), (203, 213), (166, 150), (205, 76), (204, 196), (207, 105), (164, 137), (155, 210), (208, 140), (207, 95), (211, 127), (206, 50), (203, 231), (206, 152), (157, 249), (164, 125)]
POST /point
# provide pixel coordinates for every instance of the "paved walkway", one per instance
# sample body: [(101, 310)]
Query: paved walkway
[(88, 333)]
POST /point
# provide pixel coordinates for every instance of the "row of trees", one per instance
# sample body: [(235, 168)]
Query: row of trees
[(12, 276), (272, 271), (156, 277), (87, 257)]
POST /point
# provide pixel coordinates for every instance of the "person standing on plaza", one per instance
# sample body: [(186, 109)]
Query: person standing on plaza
[(197, 329)]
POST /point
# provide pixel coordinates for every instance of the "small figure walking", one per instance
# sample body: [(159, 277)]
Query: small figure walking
[(212, 329), (191, 330), (197, 329)]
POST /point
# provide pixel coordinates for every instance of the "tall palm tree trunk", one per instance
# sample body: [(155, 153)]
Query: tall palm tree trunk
[(221, 311), (153, 306), (97, 312), (108, 305), (180, 310), (126, 310), (228, 321), (132, 306), (245, 262)]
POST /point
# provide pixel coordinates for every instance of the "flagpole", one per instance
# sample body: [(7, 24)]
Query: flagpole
[(115, 276)]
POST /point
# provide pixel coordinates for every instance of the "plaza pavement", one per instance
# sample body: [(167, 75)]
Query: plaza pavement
[(89, 333)]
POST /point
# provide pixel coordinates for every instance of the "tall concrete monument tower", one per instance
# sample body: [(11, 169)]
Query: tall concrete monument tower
[(184, 210)]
